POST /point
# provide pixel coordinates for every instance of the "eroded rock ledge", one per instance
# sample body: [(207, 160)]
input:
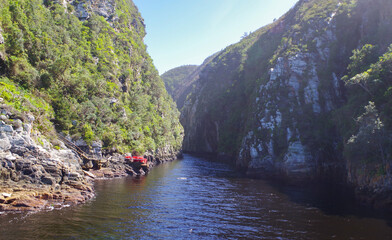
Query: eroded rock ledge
[(34, 175), (31, 174)]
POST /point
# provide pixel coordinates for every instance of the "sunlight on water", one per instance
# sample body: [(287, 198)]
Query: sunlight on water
[(196, 199)]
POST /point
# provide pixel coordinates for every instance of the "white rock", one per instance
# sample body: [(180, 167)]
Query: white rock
[(289, 134), (296, 159), (271, 121), (278, 117), (311, 91), (253, 153), (5, 144), (1, 37), (277, 71), (27, 128), (295, 153), (96, 144), (336, 84), (10, 157), (297, 64), (6, 195), (260, 148)]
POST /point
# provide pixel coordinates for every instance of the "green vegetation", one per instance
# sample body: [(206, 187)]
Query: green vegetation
[(368, 141), (174, 78), (92, 79), (21, 101)]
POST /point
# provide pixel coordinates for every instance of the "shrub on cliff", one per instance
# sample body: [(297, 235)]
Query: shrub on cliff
[(368, 141)]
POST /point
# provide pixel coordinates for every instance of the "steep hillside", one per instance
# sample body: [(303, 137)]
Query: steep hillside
[(87, 62), (175, 77), (186, 83), (299, 98)]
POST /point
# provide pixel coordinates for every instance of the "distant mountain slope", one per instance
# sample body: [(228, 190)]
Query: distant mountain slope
[(174, 77), (300, 98), (185, 83)]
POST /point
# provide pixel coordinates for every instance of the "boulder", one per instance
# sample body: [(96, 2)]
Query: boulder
[(6, 128), (10, 157), (47, 180), (27, 128), (17, 141), (89, 165), (5, 144)]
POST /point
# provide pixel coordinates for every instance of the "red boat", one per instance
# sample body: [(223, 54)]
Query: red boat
[(136, 159)]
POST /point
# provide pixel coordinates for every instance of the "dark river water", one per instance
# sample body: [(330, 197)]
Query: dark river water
[(197, 199)]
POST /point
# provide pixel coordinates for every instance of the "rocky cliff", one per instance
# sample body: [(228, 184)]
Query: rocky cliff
[(285, 101), (80, 70), (34, 176)]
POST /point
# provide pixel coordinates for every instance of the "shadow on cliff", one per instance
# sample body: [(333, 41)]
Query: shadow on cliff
[(332, 199)]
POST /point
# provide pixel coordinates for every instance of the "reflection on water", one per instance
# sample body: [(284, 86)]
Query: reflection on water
[(197, 199)]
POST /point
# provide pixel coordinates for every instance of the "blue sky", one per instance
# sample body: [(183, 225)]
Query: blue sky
[(181, 32)]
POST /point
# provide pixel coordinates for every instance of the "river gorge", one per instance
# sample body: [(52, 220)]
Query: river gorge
[(195, 198)]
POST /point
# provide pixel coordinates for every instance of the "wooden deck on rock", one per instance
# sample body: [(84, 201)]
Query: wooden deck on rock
[(97, 163)]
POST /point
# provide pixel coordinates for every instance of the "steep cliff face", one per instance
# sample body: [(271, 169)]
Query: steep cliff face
[(35, 175), (274, 102), (295, 132)]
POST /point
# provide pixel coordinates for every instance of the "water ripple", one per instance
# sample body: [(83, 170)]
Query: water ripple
[(191, 199)]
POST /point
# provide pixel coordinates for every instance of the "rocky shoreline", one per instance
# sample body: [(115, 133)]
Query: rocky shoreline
[(34, 175)]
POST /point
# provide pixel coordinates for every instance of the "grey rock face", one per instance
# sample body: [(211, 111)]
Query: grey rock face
[(299, 73), (81, 11), (81, 143), (1, 37), (5, 144), (103, 8), (97, 148), (6, 128), (21, 159)]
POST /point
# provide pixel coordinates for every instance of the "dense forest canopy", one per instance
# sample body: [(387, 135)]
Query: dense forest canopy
[(88, 77)]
